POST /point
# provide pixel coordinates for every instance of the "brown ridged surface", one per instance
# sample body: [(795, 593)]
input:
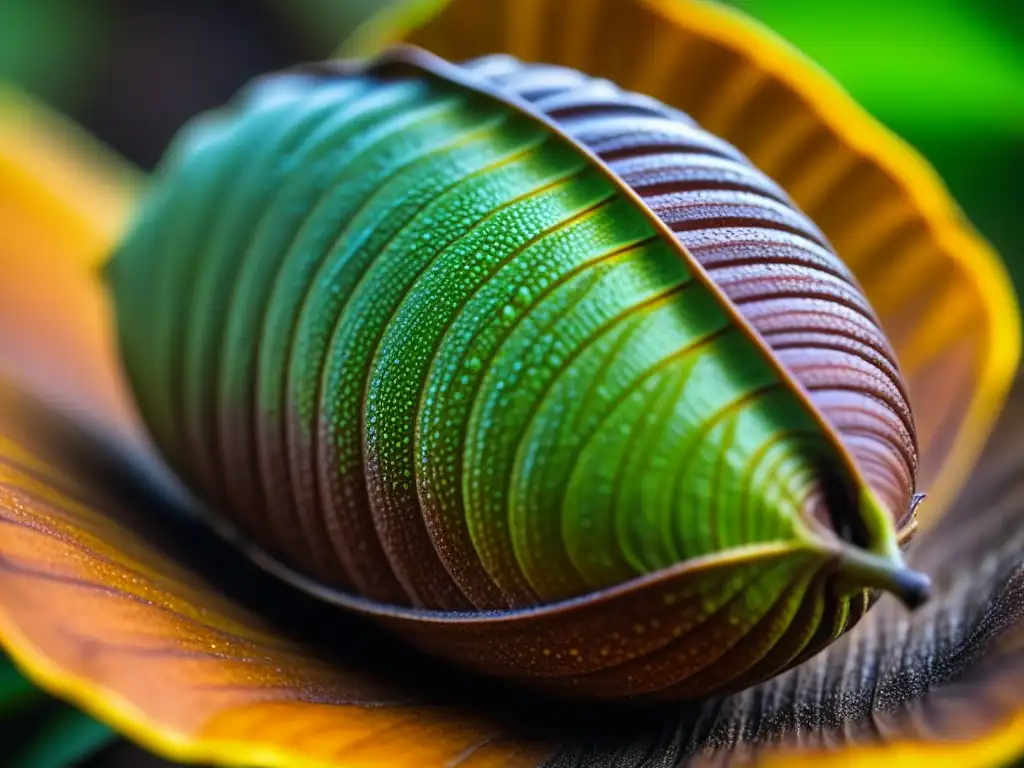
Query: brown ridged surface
[(766, 255)]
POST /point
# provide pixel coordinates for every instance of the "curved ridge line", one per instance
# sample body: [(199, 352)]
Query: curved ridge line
[(224, 438), (801, 582), (511, 484), (366, 607), (200, 279), (731, 595), (306, 319), (300, 329), (856, 129), (310, 519), (226, 446), (357, 290), (506, 259), (595, 261), (691, 449)]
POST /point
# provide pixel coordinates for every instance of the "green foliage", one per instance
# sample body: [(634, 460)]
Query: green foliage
[(38, 731), (51, 47), (926, 67), (946, 75)]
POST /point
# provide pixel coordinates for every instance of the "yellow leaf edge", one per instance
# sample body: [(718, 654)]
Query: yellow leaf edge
[(865, 135), (64, 176)]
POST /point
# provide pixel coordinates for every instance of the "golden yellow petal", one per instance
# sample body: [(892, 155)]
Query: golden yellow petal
[(63, 202), (941, 293), (63, 176)]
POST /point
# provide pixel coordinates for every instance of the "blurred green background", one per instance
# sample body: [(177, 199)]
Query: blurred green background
[(946, 75)]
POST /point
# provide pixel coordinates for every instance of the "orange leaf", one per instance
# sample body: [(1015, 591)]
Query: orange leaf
[(97, 614)]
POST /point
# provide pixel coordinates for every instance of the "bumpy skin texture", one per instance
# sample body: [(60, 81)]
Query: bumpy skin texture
[(417, 344)]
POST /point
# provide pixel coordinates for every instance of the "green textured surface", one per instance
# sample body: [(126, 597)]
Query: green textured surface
[(359, 312)]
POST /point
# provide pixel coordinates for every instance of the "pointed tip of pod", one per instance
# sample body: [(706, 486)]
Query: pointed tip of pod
[(913, 589), (887, 572), (877, 562)]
